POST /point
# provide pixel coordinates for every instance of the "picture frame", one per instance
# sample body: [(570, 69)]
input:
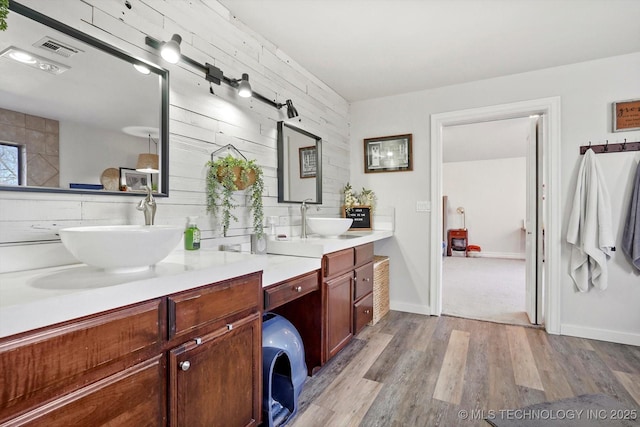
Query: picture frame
[(388, 154), (308, 161), (132, 180), (626, 115)]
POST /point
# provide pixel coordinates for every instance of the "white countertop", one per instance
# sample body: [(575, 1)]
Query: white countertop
[(316, 246), (36, 298)]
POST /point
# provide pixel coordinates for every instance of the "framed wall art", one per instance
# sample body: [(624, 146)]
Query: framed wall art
[(308, 162), (626, 115), (132, 180), (388, 154)]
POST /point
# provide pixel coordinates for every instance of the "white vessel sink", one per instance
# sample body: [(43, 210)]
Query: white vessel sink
[(329, 227), (121, 248)]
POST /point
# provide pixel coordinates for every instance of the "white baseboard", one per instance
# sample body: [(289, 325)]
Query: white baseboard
[(506, 255), (410, 308), (628, 338)]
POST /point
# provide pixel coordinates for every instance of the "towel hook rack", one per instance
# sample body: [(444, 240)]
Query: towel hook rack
[(611, 148)]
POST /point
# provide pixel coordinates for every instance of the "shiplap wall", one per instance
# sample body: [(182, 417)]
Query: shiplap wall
[(200, 122)]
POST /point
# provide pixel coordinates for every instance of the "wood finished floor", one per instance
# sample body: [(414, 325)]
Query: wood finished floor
[(413, 370)]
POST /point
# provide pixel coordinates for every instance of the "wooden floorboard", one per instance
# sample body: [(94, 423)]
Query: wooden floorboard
[(413, 370)]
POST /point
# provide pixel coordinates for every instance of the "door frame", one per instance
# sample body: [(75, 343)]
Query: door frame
[(550, 138)]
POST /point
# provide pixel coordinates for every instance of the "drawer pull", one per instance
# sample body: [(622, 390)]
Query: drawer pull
[(185, 365), (366, 279), (367, 311), (198, 340), (298, 288), (229, 326)]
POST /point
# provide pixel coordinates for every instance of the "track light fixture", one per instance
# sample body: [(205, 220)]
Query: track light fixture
[(170, 51), (244, 88), (291, 110)]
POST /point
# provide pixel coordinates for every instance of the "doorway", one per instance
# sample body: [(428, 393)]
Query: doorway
[(484, 180), (547, 297)]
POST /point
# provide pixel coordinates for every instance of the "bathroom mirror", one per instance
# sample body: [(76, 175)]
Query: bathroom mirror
[(299, 165), (74, 112)]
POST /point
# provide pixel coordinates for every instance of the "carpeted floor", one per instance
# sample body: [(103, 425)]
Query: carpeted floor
[(490, 289)]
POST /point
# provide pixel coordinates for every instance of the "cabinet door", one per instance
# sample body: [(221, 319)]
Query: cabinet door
[(339, 313), (134, 397), (216, 380)]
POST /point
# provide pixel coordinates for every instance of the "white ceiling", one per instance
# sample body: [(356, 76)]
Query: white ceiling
[(366, 49)]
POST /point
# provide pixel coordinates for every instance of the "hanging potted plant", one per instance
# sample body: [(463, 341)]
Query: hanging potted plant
[(228, 175), (4, 12)]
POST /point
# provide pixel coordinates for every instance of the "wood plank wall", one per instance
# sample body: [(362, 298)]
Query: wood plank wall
[(199, 122)]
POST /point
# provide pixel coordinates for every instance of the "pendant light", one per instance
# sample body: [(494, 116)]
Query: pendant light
[(148, 162)]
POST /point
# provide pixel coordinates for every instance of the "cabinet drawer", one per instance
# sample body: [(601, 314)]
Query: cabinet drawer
[(133, 397), (43, 364), (219, 302), (338, 262), (362, 313), (363, 254), (363, 283), (277, 295)]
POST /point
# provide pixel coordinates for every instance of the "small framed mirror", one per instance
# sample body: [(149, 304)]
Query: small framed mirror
[(76, 111), (299, 165)]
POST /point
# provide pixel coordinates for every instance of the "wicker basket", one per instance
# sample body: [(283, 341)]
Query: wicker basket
[(380, 288)]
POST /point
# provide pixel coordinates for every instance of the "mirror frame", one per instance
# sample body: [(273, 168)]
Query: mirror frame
[(120, 54), (281, 126)]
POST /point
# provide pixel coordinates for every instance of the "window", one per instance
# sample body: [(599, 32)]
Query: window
[(10, 164)]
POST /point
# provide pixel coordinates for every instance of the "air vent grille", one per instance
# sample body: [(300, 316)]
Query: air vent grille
[(57, 47)]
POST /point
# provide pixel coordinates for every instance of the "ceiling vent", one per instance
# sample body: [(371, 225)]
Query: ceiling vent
[(54, 46)]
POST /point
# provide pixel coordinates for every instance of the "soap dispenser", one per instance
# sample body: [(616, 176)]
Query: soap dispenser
[(192, 235)]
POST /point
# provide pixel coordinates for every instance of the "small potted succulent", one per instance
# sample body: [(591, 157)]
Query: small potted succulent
[(228, 175)]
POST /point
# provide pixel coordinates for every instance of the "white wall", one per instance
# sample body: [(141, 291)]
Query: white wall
[(78, 160), (199, 123), (586, 91), (493, 193)]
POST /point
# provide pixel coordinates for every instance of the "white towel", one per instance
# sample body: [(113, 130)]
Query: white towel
[(590, 232), (631, 234)]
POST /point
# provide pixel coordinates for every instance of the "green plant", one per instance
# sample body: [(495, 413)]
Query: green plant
[(230, 174), (4, 12), (351, 199)]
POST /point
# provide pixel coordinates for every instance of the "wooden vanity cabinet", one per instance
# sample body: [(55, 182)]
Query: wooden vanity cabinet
[(339, 313), (215, 363), (215, 379), (337, 272), (76, 362), (126, 367), (348, 286)]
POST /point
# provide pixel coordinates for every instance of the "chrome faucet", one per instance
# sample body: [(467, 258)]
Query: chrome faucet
[(303, 212), (148, 207)]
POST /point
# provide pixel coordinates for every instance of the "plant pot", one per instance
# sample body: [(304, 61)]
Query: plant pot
[(251, 174)]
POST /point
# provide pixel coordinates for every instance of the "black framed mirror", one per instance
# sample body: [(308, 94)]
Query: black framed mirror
[(299, 165), (76, 113)]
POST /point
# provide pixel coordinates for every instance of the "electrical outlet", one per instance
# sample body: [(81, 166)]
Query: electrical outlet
[(284, 220)]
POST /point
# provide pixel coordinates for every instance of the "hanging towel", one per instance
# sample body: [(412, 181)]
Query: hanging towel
[(631, 234), (590, 232)]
